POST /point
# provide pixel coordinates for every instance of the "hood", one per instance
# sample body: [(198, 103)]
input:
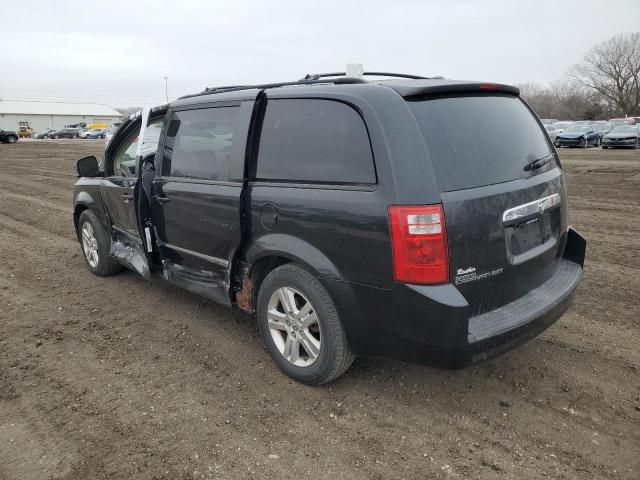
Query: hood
[(572, 134), (620, 135)]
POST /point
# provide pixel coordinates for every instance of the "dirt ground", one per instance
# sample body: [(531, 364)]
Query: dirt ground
[(117, 378)]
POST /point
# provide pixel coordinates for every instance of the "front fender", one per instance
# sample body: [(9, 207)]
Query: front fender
[(88, 198)]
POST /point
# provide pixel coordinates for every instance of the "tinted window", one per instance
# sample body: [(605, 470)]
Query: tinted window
[(314, 141), (198, 143), (479, 140)]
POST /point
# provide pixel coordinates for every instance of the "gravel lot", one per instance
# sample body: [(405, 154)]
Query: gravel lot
[(117, 378)]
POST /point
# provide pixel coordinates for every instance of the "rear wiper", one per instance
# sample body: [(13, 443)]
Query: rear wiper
[(538, 162)]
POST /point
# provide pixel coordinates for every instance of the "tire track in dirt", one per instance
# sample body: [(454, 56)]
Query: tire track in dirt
[(220, 407), (38, 201)]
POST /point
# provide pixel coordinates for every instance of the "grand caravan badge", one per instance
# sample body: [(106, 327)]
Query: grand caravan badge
[(469, 274)]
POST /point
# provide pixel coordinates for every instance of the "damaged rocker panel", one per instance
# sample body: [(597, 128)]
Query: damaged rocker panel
[(130, 253)]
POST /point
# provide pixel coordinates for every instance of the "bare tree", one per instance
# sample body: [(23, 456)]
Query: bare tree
[(564, 100), (612, 68)]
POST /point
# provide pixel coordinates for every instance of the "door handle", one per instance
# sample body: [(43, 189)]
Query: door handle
[(162, 199), (126, 197)]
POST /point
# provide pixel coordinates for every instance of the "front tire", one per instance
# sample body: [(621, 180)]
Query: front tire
[(12, 139), (300, 326), (583, 143), (95, 245)]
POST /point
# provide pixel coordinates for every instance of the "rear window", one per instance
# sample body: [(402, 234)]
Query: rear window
[(309, 140), (479, 140)]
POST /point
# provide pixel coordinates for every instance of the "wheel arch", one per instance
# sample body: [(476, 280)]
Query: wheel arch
[(270, 252), (85, 201)]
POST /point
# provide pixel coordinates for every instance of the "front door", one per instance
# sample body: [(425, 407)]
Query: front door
[(196, 196), (117, 189)]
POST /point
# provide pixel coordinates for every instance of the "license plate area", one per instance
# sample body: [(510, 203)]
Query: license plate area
[(531, 229), (529, 234)]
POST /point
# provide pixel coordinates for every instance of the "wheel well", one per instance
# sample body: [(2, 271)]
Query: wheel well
[(76, 216), (250, 279)]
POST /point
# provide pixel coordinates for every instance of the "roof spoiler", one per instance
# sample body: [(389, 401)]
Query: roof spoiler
[(418, 89)]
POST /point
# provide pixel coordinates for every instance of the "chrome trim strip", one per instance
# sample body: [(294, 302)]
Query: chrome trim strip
[(218, 261), (531, 208)]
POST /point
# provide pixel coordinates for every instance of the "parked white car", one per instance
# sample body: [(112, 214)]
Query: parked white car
[(552, 132), (561, 126)]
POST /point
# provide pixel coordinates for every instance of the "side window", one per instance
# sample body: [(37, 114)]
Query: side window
[(198, 143), (312, 140), (124, 160), (152, 136)]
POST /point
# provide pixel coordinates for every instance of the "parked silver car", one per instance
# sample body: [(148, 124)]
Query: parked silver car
[(622, 136)]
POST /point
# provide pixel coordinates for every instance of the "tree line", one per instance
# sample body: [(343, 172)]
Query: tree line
[(605, 84)]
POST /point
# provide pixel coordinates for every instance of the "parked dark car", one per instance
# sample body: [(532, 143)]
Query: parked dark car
[(622, 136), (8, 136), (578, 135), (351, 218), (65, 133)]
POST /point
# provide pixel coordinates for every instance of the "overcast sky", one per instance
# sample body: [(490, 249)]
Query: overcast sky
[(117, 52)]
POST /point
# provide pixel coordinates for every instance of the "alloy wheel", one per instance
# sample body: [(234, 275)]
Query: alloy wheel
[(294, 326), (90, 244)]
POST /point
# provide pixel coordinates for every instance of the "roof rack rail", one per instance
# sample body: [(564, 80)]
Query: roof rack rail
[(317, 76), (233, 88), (308, 79)]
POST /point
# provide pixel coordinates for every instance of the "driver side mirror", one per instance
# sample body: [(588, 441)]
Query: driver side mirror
[(88, 167)]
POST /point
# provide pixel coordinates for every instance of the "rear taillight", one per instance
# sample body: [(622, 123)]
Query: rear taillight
[(419, 244)]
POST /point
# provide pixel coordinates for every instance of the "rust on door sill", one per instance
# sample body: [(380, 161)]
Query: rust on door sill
[(244, 296)]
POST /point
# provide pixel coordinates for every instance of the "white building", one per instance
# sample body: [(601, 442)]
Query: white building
[(44, 115)]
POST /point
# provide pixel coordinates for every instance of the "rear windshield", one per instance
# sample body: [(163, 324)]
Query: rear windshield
[(479, 140)]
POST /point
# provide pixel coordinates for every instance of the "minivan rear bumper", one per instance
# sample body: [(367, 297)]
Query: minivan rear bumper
[(433, 324), (504, 328)]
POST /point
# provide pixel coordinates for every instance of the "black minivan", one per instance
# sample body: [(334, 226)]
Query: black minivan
[(414, 218)]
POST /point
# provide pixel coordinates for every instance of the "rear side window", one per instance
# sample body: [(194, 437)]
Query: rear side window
[(198, 143), (479, 140), (311, 140)]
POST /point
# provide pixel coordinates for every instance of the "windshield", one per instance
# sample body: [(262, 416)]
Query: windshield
[(625, 129), (479, 140), (577, 129)]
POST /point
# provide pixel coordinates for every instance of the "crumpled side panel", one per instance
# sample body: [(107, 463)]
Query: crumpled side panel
[(205, 283), (131, 255)]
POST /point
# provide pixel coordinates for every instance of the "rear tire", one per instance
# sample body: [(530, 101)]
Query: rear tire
[(290, 302), (12, 139), (95, 245), (56, 137)]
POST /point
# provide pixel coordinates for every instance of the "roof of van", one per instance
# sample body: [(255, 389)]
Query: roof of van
[(406, 87)]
